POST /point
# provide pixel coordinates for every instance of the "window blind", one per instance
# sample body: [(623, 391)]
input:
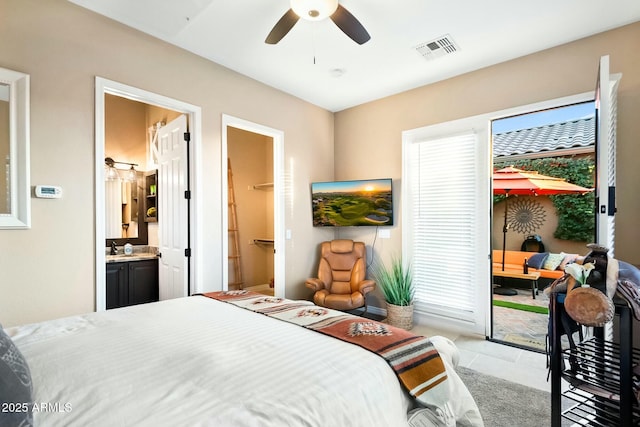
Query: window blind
[(443, 182)]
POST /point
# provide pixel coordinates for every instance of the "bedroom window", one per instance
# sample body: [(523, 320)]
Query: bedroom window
[(445, 235)]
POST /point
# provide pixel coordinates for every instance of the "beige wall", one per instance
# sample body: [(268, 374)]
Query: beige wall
[(125, 130), (48, 271), (375, 128)]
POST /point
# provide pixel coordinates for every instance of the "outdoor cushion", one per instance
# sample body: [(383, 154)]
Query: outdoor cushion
[(568, 259), (553, 261), (514, 261), (537, 260)]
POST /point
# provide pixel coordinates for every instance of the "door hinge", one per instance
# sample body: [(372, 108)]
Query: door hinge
[(187, 136), (187, 252), (187, 194)]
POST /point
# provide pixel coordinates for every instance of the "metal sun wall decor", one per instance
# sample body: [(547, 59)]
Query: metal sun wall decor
[(525, 215)]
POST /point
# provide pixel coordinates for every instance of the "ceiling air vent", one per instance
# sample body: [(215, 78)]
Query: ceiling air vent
[(436, 48)]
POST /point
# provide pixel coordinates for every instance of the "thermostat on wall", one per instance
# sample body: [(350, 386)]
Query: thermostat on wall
[(48, 191)]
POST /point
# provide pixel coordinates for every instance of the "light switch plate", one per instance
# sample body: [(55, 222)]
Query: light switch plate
[(384, 233)]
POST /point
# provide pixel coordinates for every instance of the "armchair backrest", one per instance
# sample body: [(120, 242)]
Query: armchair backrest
[(342, 265)]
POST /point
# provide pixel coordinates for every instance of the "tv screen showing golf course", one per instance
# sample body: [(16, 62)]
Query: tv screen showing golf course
[(352, 203)]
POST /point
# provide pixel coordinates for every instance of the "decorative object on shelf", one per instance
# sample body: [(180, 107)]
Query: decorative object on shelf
[(586, 305), (154, 144), (151, 190), (128, 249), (396, 283), (580, 272), (591, 302), (587, 300)]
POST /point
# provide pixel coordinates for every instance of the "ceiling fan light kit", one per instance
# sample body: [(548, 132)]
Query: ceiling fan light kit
[(314, 10), (317, 10)]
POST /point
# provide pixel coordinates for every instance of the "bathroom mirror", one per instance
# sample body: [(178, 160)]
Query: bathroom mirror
[(124, 211), (15, 208)]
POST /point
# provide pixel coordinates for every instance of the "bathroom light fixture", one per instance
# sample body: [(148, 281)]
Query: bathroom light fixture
[(131, 175), (111, 173)]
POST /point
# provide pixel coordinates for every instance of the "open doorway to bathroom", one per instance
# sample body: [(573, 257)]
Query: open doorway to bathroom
[(558, 142), (182, 124)]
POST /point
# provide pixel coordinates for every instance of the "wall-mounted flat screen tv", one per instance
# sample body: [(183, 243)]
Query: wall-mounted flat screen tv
[(352, 203)]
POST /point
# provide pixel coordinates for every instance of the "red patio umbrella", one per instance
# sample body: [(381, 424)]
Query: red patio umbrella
[(513, 181)]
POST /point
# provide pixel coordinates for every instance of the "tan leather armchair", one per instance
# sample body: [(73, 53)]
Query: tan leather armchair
[(341, 282)]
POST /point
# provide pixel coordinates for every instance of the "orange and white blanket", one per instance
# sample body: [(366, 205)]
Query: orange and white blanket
[(413, 358)]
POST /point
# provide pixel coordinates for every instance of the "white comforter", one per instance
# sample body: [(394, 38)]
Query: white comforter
[(198, 362)]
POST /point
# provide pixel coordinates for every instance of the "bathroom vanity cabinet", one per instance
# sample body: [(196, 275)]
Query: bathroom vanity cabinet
[(132, 282)]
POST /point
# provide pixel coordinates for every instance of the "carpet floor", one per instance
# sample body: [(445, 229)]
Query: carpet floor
[(504, 403)]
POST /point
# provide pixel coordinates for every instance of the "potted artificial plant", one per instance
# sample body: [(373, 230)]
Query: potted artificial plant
[(396, 283)]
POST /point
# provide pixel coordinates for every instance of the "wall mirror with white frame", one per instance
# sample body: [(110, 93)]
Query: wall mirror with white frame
[(15, 208)]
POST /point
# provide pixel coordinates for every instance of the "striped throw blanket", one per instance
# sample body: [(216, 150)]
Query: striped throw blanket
[(413, 358)]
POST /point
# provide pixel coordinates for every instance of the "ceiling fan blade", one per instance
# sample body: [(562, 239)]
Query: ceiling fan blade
[(282, 27), (350, 25)]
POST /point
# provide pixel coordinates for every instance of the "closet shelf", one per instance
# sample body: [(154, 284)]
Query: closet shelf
[(263, 186), (263, 241)]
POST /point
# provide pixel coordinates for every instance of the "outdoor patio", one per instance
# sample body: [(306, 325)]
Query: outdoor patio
[(519, 327)]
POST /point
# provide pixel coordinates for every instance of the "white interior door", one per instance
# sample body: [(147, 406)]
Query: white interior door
[(606, 113), (172, 209)]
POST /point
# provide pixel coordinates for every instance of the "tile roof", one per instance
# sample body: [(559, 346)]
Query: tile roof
[(557, 136)]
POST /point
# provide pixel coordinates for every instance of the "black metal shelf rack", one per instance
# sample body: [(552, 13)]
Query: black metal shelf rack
[(600, 386)]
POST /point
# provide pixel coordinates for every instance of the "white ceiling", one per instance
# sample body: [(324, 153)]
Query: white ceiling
[(318, 63)]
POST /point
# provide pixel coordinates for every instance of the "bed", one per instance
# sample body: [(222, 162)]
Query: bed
[(198, 361)]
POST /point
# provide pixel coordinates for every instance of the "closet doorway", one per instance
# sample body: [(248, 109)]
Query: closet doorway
[(254, 217)]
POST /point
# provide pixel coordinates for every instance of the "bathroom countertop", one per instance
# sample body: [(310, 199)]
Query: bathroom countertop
[(133, 257)]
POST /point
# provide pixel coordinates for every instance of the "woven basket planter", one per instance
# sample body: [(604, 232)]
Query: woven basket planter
[(400, 316)]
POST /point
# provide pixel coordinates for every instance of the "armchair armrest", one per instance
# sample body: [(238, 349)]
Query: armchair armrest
[(366, 286), (314, 284)]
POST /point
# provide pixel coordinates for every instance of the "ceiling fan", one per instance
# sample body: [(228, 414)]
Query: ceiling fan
[(317, 10)]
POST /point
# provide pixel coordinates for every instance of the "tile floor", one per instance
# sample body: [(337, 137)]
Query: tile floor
[(519, 365), (499, 360)]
